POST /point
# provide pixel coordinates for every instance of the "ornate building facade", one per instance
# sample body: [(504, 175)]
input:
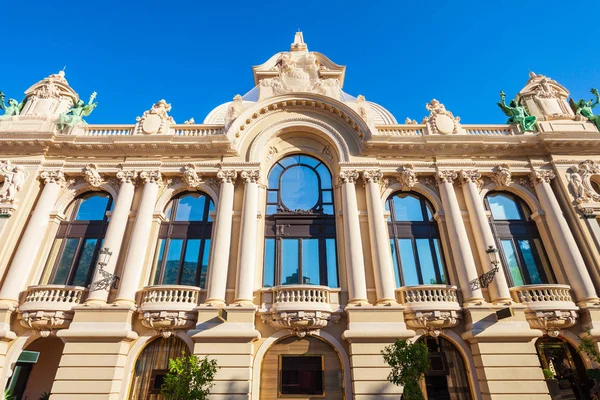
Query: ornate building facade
[(293, 235)]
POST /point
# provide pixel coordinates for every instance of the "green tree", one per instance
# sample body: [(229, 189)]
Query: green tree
[(409, 361), (189, 378)]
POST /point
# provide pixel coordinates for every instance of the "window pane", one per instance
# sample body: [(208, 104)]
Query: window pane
[(530, 264), (332, 272), (310, 262), (85, 262), (172, 264), (328, 210), (272, 196), (205, 258), (503, 207), (545, 264), (407, 208), (289, 261), (511, 259), (159, 261), (290, 160), (274, 176), (327, 196), (325, 175), (190, 208), (409, 264), (269, 267), (430, 212), (438, 256), (51, 261), (190, 262), (426, 262), (302, 375), (66, 260), (310, 161), (93, 208), (211, 209), (299, 188), (395, 262), (271, 210)]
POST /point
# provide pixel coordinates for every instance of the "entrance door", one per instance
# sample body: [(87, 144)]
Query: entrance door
[(563, 360)]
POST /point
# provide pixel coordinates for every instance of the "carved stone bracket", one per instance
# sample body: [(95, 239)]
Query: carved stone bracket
[(45, 322), (551, 322), (165, 322), (501, 175), (432, 322), (301, 323)]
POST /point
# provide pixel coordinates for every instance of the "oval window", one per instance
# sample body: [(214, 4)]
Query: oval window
[(299, 188)]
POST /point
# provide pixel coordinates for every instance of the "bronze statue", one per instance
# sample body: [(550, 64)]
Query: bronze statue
[(585, 108), (517, 114)]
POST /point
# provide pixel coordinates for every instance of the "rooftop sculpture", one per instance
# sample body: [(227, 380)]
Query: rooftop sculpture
[(13, 107), (517, 114), (75, 115), (585, 108)]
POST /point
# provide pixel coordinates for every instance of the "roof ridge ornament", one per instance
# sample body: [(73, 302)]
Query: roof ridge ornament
[(299, 44)]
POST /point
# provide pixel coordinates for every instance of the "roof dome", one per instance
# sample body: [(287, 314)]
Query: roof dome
[(381, 116)]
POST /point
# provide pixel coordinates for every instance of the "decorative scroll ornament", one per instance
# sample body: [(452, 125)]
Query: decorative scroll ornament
[(579, 180), (151, 177), (57, 177), (92, 176), (14, 178), (501, 175), (551, 322), (349, 176), (542, 176), (445, 176), (192, 178), (250, 176), (473, 176), (441, 121), (407, 177), (227, 176), (432, 322), (156, 120), (127, 176), (46, 321), (327, 152)]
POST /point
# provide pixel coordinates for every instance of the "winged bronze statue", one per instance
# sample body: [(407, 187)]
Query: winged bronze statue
[(75, 115), (13, 107), (517, 114), (585, 108)]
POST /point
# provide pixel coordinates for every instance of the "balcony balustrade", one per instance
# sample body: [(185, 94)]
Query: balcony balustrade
[(429, 308), (300, 308), (46, 308)]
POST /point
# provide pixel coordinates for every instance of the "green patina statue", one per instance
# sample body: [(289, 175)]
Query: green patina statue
[(584, 108), (13, 107), (517, 114), (75, 115)]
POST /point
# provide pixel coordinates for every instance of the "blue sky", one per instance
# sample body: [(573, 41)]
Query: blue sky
[(398, 54)]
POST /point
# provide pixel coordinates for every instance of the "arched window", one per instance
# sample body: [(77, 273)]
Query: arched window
[(184, 241), (414, 240), (518, 239), (300, 224), (79, 238)]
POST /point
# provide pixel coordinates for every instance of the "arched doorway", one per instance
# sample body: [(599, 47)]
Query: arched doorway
[(563, 360), (302, 368), (152, 365), (447, 377), (35, 369)]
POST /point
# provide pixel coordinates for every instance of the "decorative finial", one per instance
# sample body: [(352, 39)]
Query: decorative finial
[(298, 44)]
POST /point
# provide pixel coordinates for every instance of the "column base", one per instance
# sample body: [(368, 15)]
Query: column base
[(358, 303), (386, 303)]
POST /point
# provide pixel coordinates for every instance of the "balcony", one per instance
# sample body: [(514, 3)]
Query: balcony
[(302, 309), (46, 308), (166, 308), (429, 308), (549, 308)]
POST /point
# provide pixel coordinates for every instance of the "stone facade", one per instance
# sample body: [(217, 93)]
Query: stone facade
[(298, 107)]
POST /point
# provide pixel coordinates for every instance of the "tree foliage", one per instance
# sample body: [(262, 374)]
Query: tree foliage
[(189, 378), (409, 361), (587, 345)]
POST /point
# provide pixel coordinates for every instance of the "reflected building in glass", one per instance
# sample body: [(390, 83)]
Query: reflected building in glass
[(291, 236)]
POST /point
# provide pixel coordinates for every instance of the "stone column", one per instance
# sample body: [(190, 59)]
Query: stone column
[(140, 237), (562, 236), (380, 240), (32, 238), (463, 258), (217, 277), (484, 238), (244, 285), (355, 264), (115, 232)]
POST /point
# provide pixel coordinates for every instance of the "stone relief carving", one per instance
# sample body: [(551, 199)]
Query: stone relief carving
[(432, 322), (440, 121), (92, 176), (502, 176), (545, 99), (407, 177), (374, 176), (301, 323), (363, 108), (551, 322), (271, 152), (234, 110), (45, 321), (14, 178), (542, 176), (327, 152), (579, 181), (349, 176), (165, 322), (156, 120), (192, 178)]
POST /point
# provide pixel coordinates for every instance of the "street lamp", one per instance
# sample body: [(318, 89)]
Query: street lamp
[(486, 279), (108, 280), (492, 253)]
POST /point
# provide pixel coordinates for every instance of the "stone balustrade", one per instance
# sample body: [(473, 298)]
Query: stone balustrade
[(429, 308), (46, 308), (106, 130), (421, 130)]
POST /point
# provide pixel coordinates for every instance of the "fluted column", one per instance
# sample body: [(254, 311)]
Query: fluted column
[(115, 232), (463, 258), (380, 240), (140, 238), (355, 264), (217, 277), (484, 238), (244, 286), (563, 238), (32, 238)]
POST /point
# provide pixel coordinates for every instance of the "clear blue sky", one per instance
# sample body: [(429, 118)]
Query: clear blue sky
[(400, 54)]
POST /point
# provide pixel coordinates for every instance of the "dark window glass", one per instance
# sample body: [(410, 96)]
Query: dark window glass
[(184, 241), (521, 250), (301, 375), (300, 224), (414, 241), (78, 241)]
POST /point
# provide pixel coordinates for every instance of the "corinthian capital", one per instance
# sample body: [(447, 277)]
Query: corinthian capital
[(542, 176), (501, 175), (349, 176), (92, 176), (472, 176), (227, 175), (250, 176), (57, 177), (151, 176), (445, 176), (372, 176), (127, 176), (407, 176)]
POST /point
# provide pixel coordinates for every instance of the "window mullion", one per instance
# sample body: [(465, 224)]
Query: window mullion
[(181, 259), (300, 274), (417, 260), (163, 263)]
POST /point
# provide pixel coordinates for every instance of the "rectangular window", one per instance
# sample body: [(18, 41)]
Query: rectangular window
[(289, 261), (512, 263), (157, 378), (269, 269), (332, 272), (190, 262), (301, 375), (66, 260), (172, 263), (310, 262), (409, 263)]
